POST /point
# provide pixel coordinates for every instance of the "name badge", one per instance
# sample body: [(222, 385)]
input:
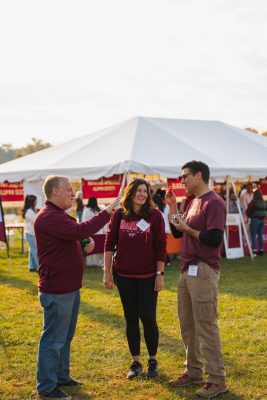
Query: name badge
[(192, 270), (143, 225)]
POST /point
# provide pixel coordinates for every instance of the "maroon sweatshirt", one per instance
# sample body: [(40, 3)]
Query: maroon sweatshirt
[(137, 250), (61, 262)]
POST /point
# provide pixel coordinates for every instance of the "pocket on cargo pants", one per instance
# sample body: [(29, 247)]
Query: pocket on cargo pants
[(206, 308)]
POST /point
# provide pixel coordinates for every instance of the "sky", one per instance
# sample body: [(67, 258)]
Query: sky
[(71, 67)]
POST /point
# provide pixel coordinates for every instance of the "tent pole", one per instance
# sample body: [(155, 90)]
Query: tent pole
[(227, 194), (242, 220), (128, 177), (227, 205), (122, 184)]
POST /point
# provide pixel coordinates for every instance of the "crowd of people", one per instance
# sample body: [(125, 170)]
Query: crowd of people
[(254, 211), (134, 261)]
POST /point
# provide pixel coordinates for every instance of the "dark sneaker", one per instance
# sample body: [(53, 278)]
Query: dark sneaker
[(55, 394), (260, 253), (152, 369), (135, 370), (210, 390), (185, 380), (70, 382)]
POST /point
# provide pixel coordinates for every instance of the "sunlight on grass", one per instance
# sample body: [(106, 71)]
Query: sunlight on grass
[(100, 356)]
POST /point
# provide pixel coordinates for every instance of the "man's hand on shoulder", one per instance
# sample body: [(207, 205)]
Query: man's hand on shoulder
[(113, 205)]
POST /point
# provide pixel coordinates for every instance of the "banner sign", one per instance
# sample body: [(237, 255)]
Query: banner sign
[(263, 186), (11, 191), (177, 186), (102, 188)]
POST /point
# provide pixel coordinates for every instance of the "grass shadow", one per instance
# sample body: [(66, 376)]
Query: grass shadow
[(78, 393), (9, 279), (114, 321)]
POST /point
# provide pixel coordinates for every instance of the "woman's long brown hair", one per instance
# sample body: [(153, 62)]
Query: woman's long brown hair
[(127, 200), (29, 202)]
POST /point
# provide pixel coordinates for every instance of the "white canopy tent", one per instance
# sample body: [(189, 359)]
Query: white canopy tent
[(148, 146)]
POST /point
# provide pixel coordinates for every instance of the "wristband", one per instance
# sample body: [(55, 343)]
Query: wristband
[(160, 272)]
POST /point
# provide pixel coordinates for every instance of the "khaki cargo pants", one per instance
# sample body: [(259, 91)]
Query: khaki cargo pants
[(197, 311)]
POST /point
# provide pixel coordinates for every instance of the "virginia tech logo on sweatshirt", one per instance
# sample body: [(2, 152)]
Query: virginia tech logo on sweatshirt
[(131, 228)]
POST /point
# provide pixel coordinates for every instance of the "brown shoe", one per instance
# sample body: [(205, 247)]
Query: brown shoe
[(185, 380), (210, 390)]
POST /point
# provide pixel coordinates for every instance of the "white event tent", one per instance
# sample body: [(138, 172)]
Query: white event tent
[(148, 146)]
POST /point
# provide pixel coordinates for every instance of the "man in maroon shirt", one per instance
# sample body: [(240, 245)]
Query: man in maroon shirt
[(61, 266), (202, 228)]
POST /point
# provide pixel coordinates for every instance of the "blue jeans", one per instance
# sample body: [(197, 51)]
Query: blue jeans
[(256, 229), (33, 259), (60, 319)]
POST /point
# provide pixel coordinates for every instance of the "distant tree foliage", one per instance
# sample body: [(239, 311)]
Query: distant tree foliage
[(8, 152), (252, 130)]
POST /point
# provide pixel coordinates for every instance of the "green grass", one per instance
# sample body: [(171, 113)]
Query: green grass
[(100, 355)]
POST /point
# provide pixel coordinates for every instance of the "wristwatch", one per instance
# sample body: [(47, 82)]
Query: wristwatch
[(160, 272)]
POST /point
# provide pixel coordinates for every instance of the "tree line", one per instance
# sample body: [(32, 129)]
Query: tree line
[(253, 130), (8, 152)]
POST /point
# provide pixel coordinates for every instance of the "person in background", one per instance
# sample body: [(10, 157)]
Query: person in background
[(137, 234), (90, 210), (242, 190), (165, 209), (232, 203), (245, 199), (79, 205), (61, 270), (29, 213), (256, 211), (159, 201)]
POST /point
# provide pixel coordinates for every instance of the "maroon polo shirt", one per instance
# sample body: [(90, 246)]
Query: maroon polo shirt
[(203, 214), (61, 262), (137, 251)]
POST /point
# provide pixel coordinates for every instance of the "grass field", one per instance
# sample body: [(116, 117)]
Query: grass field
[(99, 352)]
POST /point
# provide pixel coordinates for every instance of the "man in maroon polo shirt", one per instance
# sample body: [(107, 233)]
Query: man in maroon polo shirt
[(61, 266), (202, 228)]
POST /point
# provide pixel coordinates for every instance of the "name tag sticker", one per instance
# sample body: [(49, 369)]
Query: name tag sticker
[(143, 225), (192, 270)]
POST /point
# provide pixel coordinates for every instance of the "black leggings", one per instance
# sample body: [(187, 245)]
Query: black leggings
[(139, 300)]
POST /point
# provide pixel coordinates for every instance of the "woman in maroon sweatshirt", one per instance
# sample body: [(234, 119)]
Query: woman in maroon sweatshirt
[(137, 237)]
